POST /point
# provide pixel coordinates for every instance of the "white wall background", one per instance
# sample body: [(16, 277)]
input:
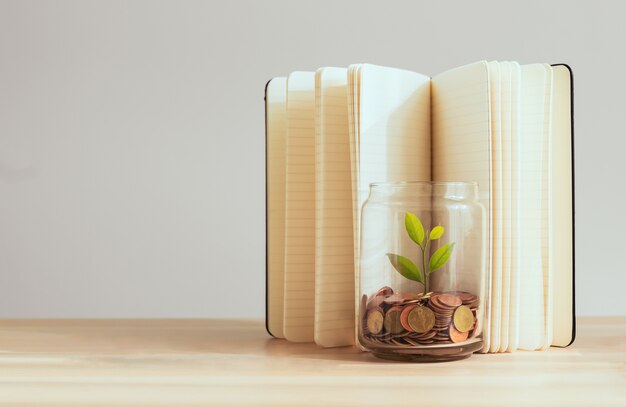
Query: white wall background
[(132, 137)]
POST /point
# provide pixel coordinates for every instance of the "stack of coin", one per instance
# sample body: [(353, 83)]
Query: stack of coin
[(419, 319)]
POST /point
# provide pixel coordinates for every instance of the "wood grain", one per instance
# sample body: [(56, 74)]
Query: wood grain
[(230, 362)]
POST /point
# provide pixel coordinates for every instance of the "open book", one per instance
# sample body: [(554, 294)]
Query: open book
[(506, 126)]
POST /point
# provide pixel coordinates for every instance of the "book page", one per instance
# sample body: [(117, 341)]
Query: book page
[(513, 180), (354, 85), (531, 323), (562, 208), (299, 311), (496, 206), (506, 121), (461, 150), (392, 133), (546, 211), (334, 248), (276, 118)]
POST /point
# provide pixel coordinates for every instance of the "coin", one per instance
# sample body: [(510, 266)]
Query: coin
[(463, 319), (402, 334), (393, 299), (375, 302), (404, 316), (363, 310), (392, 321), (411, 342), (465, 296), (425, 335), (421, 319), (450, 300), (384, 292), (456, 336), (410, 319), (437, 304), (374, 321), (382, 336), (397, 342)]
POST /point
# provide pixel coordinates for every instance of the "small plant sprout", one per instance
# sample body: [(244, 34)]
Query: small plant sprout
[(422, 238)]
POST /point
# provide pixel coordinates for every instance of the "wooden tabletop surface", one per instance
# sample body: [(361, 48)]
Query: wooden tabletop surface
[(235, 363)]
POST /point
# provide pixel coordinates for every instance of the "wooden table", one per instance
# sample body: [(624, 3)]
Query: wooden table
[(235, 363)]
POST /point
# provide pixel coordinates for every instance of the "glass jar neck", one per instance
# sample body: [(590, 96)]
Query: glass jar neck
[(456, 191)]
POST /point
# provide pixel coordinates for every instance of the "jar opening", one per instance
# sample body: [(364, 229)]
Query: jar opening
[(416, 183), (455, 190)]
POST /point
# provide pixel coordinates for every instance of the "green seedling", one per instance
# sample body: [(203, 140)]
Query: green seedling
[(422, 238)]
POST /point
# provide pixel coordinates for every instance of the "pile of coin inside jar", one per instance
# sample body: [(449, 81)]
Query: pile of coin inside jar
[(419, 319)]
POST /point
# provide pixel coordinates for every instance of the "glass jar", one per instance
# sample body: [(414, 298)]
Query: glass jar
[(422, 271)]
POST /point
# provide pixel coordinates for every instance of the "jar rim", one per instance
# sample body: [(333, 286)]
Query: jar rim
[(434, 183)]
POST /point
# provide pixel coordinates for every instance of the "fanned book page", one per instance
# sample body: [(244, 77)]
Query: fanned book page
[(334, 248), (513, 161), (276, 120), (299, 309), (546, 211), (531, 332), (496, 206), (354, 87), (506, 114), (393, 134), (390, 134), (461, 141)]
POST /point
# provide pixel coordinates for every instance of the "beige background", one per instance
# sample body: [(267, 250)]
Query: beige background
[(132, 150)]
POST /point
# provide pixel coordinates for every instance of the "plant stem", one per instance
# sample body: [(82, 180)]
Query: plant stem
[(426, 276)]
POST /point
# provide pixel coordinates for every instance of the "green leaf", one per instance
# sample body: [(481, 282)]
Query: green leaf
[(414, 228), (436, 233), (440, 257), (405, 267)]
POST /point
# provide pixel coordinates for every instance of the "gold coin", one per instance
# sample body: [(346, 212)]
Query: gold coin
[(392, 321), (463, 318), (421, 319), (374, 321)]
